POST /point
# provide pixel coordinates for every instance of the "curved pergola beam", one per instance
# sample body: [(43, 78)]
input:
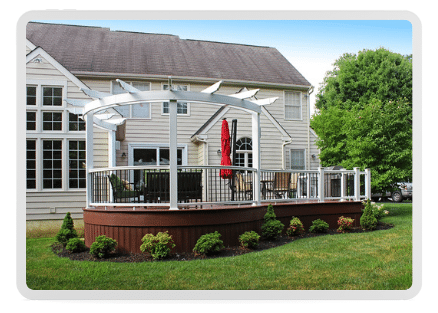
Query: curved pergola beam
[(167, 95)]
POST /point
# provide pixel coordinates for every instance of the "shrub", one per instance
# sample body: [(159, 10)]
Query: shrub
[(295, 227), (102, 246), (368, 221), (75, 245), (158, 246), (270, 214), (66, 231), (319, 226), (209, 244), (345, 224), (378, 211), (249, 239), (272, 229)]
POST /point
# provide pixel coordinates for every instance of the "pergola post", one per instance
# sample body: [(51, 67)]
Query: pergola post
[(89, 155), (256, 135), (368, 183), (356, 183), (173, 160)]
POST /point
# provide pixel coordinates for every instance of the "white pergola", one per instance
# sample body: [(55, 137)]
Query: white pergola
[(91, 111)]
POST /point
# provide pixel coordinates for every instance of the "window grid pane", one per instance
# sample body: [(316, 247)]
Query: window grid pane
[(30, 120), (52, 121), (297, 159), (181, 106), (52, 164), (75, 123), (31, 95), (52, 96), (30, 164), (76, 155)]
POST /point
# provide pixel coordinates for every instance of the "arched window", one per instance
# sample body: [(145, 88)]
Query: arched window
[(244, 152)]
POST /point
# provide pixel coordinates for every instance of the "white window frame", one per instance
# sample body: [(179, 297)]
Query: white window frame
[(286, 105), (133, 146), (188, 104), (130, 106), (39, 134), (304, 157)]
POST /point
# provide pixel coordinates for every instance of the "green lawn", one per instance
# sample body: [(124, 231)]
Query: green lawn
[(379, 260)]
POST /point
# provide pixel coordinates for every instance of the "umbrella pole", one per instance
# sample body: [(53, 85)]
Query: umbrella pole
[(233, 153)]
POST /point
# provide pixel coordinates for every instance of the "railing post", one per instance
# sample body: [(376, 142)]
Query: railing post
[(173, 179), (368, 183), (321, 184), (89, 155), (356, 183), (342, 186)]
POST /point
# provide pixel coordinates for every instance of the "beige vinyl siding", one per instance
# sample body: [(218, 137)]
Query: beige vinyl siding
[(54, 205)]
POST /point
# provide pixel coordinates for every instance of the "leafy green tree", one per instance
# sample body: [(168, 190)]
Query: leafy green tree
[(364, 116)]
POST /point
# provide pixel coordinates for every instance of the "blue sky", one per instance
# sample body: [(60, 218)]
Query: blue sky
[(311, 46)]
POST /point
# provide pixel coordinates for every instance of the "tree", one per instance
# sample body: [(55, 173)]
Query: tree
[(364, 116)]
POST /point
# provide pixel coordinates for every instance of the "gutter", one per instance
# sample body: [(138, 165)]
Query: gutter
[(282, 152)]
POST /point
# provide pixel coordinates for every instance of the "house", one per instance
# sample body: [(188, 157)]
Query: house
[(63, 59)]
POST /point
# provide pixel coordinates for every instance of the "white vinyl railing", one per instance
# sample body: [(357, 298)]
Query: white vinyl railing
[(144, 186)]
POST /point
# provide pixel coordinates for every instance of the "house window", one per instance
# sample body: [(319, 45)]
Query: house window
[(52, 121), (155, 156), (244, 152), (297, 160), (30, 164), (52, 96), (139, 110), (76, 160), (52, 164), (30, 120), (292, 105), (182, 107), (31, 95), (75, 123)]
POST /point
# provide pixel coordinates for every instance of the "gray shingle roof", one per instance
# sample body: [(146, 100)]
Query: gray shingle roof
[(100, 50)]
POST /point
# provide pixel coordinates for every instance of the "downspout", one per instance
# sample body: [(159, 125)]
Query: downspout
[(309, 92), (282, 152)]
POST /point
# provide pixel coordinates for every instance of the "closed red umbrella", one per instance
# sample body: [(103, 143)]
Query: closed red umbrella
[(226, 150)]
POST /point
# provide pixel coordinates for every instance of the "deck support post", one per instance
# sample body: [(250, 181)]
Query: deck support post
[(173, 188), (89, 155), (256, 135)]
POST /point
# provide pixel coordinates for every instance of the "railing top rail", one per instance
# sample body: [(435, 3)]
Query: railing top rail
[(154, 167)]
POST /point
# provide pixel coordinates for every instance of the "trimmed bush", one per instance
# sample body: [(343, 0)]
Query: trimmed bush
[(209, 244), (319, 226), (272, 229), (368, 221), (102, 246), (75, 245), (249, 239), (345, 224), (66, 231), (158, 246), (295, 228), (270, 214)]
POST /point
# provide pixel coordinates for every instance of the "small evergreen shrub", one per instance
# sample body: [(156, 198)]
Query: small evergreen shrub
[(158, 246), (368, 221), (102, 246), (209, 244), (345, 224), (66, 231), (272, 227), (295, 227), (249, 239), (319, 226), (75, 245)]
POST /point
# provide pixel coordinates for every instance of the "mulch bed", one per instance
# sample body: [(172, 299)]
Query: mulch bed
[(58, 249)]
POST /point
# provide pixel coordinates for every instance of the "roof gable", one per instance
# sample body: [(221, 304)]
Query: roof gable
[(99, 50)]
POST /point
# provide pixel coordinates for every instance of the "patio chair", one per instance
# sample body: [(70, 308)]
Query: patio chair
[(244, 186), (282, 184), (121, 191)]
